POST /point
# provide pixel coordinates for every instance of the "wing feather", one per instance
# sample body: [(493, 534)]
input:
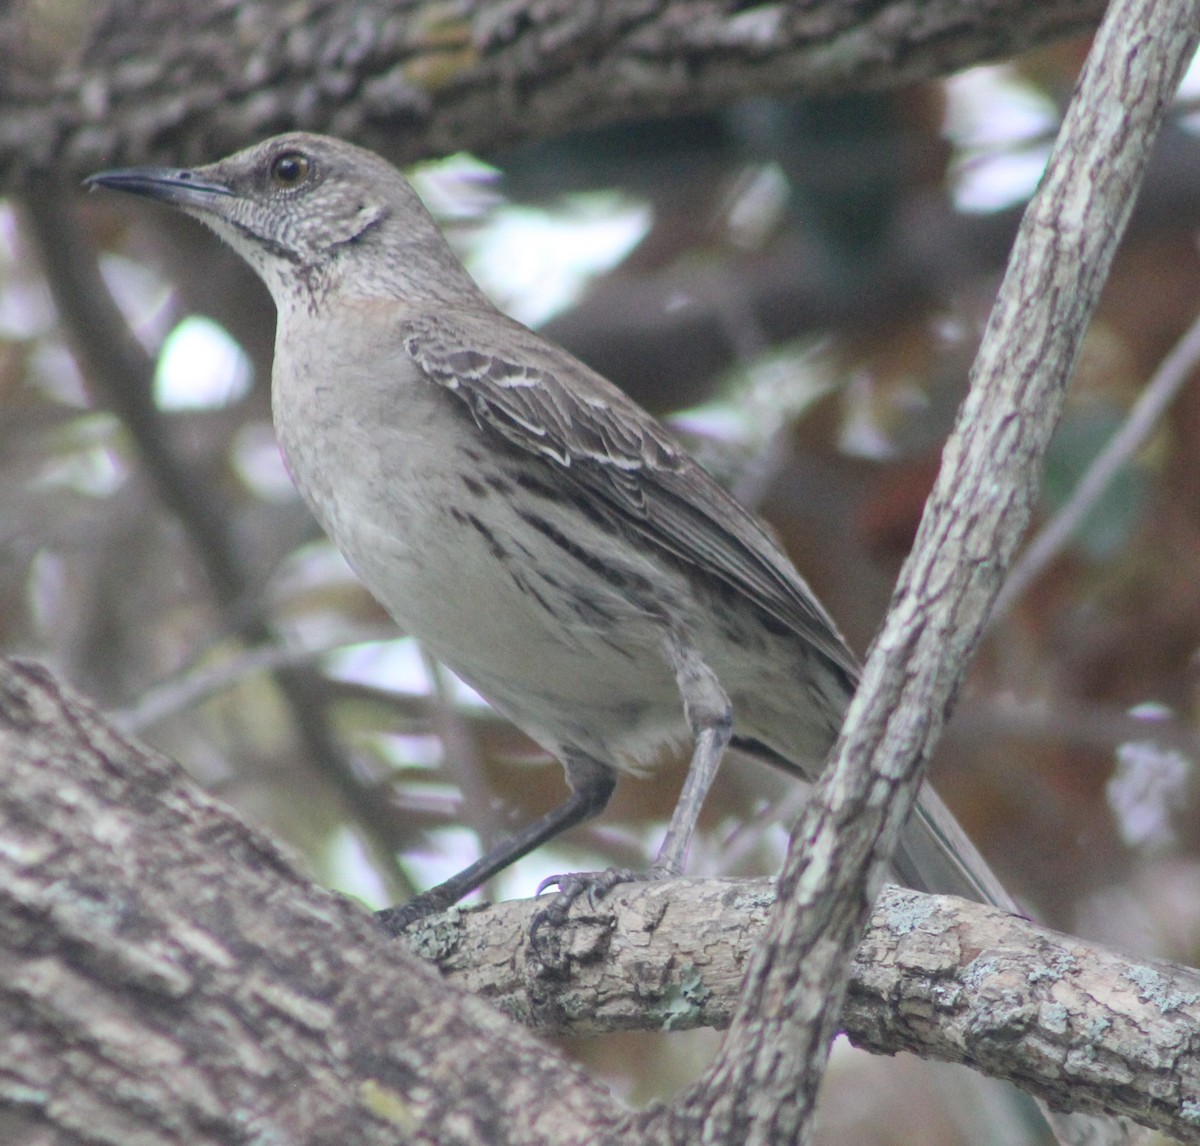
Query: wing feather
[(546, 403)]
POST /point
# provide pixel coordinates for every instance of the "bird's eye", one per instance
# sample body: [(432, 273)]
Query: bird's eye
[(290, 169)]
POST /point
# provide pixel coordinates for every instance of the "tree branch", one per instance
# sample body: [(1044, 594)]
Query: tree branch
[(160, 80), (169, 944), (167, 974), (1074, 1024)]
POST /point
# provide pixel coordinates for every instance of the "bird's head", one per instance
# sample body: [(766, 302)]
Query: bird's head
[(308, 213)]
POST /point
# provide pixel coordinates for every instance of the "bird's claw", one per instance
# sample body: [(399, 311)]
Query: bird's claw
[(396, 920), (571, 885)]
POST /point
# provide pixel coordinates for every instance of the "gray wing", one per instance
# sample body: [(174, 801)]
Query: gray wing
[(607, 449)]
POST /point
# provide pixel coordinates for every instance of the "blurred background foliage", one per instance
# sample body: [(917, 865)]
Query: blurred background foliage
[(799, 287)]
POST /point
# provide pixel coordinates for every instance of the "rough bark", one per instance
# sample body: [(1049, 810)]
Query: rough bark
[(167, 974), (1079, 1026), (88, 85)]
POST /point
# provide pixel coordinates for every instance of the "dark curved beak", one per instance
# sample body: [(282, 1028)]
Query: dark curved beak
[(182, 188)]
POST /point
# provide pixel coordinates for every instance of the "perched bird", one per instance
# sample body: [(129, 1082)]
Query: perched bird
[(539, 532)]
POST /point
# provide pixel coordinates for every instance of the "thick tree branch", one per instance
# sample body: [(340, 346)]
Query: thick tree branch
[(1079, 1026), (168, 975), (170, 944), (143, 80)]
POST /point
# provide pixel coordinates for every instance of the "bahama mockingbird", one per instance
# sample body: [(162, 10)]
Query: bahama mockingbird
[(538, 531)]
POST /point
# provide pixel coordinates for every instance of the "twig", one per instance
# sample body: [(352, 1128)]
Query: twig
[(1147, 411)]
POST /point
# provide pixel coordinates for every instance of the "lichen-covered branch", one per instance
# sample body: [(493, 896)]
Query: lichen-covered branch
[(87, 85), (1077, 1025)]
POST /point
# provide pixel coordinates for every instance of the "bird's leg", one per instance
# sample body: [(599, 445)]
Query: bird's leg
[(710, 717), (591, 786)]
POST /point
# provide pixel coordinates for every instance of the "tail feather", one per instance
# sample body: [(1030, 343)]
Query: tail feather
[(936, 855)]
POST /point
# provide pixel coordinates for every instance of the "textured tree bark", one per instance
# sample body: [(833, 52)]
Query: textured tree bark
[(139, 81), (167, 972), (168, 975), (1081, 1027)]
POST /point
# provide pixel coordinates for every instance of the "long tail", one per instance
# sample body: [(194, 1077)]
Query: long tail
[(935, 855)]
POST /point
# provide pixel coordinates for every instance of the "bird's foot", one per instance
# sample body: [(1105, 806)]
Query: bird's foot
[(595, 885), (396, 920)]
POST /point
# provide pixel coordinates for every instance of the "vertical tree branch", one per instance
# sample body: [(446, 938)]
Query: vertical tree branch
[(762, 1086)]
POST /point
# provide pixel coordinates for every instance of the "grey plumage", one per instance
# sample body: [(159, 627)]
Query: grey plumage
[(538, 531)]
